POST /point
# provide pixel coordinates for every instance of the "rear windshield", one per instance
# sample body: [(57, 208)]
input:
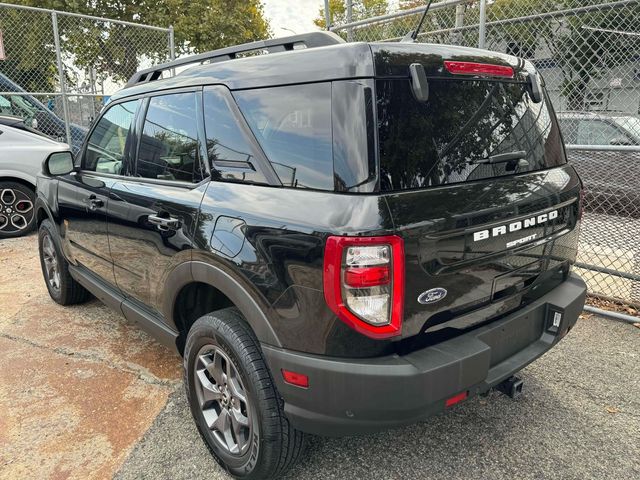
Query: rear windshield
[(451, 137)]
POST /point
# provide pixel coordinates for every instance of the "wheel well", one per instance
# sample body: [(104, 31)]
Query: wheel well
[(19, 180), (195, 300), (41, 214)]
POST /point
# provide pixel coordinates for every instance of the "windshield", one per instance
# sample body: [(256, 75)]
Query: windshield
[(457, 134)]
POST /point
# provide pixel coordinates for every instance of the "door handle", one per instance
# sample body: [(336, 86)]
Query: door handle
[(164, 223), (93, 202)]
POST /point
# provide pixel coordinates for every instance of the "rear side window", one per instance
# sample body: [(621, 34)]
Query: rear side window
[(293, 126), (169, 148), (464, 122)]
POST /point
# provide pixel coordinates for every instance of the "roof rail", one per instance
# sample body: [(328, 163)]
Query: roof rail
[(283, 44)]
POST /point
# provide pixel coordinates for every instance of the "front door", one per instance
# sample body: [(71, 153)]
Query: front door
[(83, 196), (153, 212)]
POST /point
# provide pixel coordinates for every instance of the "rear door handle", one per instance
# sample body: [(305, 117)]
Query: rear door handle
[(93, 202), (164, 223)]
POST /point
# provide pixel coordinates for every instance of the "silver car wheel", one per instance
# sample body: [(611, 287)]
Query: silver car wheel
[(223, 400), (16, 210)]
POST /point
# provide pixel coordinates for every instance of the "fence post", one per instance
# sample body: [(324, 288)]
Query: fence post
[(172, 44), (483, 21), (456, 37), (349, 20), (327, 15), (63, 88)]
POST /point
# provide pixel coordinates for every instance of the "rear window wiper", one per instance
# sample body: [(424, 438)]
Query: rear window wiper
[(504, 157)]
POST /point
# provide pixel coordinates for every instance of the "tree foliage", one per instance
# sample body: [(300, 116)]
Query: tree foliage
[(361, 9), (116, 50)]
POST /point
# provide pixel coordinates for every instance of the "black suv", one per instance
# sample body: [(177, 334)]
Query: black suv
[(339, 238)]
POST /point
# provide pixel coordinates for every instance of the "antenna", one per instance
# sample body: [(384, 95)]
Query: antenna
[(413, 34)]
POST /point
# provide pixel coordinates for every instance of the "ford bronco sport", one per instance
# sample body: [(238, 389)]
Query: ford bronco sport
[(320, 228)]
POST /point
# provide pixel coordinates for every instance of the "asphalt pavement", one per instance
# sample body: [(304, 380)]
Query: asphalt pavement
[(579, 418)]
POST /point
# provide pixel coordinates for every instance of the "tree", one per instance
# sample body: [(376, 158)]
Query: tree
[(361, 9), (116, 50)]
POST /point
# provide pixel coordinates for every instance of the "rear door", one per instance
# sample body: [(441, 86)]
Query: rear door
[(477, 184), (83, 196), (153, 211)]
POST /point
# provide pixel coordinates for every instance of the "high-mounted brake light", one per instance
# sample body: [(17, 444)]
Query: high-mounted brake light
[(364, 283), (473, 68)]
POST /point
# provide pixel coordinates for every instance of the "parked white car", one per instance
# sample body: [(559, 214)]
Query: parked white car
[(22, 151)]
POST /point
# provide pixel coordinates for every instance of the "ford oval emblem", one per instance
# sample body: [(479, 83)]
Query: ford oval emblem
[(432, 296)]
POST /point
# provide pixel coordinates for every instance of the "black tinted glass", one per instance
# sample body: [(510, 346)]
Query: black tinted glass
[(169, 142), (293, 126), (353, 136), (106, 148), (451, 137), (230, 152)]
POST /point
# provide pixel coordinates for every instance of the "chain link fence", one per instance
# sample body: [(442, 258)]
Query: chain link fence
[(58, 69), (588, 52)]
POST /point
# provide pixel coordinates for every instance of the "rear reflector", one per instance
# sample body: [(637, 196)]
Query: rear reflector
[(473, 68), (295, 378), (456, 399)]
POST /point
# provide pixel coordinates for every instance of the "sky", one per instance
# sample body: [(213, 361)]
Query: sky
[(296, 15)]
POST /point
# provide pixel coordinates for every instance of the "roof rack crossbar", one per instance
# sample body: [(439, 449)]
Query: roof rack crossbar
[(274, 45)]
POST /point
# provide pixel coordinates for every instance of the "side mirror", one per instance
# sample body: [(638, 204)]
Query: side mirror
[(58, 163), (620, 141)]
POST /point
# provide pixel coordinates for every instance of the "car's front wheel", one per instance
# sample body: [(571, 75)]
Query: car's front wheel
[(233, 399), (62, 287), (17, 212)]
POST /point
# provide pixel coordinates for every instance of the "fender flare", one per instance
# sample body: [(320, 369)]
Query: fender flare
[(196, 271), (42, 205), (25, 177)]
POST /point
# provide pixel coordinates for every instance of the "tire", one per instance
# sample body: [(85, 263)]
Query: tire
[(17, 212), (62, 288), (266, 445)]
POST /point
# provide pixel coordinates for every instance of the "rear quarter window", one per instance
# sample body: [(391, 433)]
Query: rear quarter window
[(293, 126)]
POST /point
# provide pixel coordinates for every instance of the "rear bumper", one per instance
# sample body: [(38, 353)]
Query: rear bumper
[(351, 396)]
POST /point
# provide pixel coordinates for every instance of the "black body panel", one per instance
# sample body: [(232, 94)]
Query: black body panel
[(144, 253), (347, 397)]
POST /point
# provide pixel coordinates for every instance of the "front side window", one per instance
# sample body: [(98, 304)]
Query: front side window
[(107, 145), (293, 126), (169, 147)]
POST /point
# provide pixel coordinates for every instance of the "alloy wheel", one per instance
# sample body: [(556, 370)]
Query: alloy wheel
[(223, 400), (16, 210), (50, 258)]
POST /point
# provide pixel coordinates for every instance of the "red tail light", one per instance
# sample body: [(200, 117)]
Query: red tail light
[(364, 283), (473, 68)]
